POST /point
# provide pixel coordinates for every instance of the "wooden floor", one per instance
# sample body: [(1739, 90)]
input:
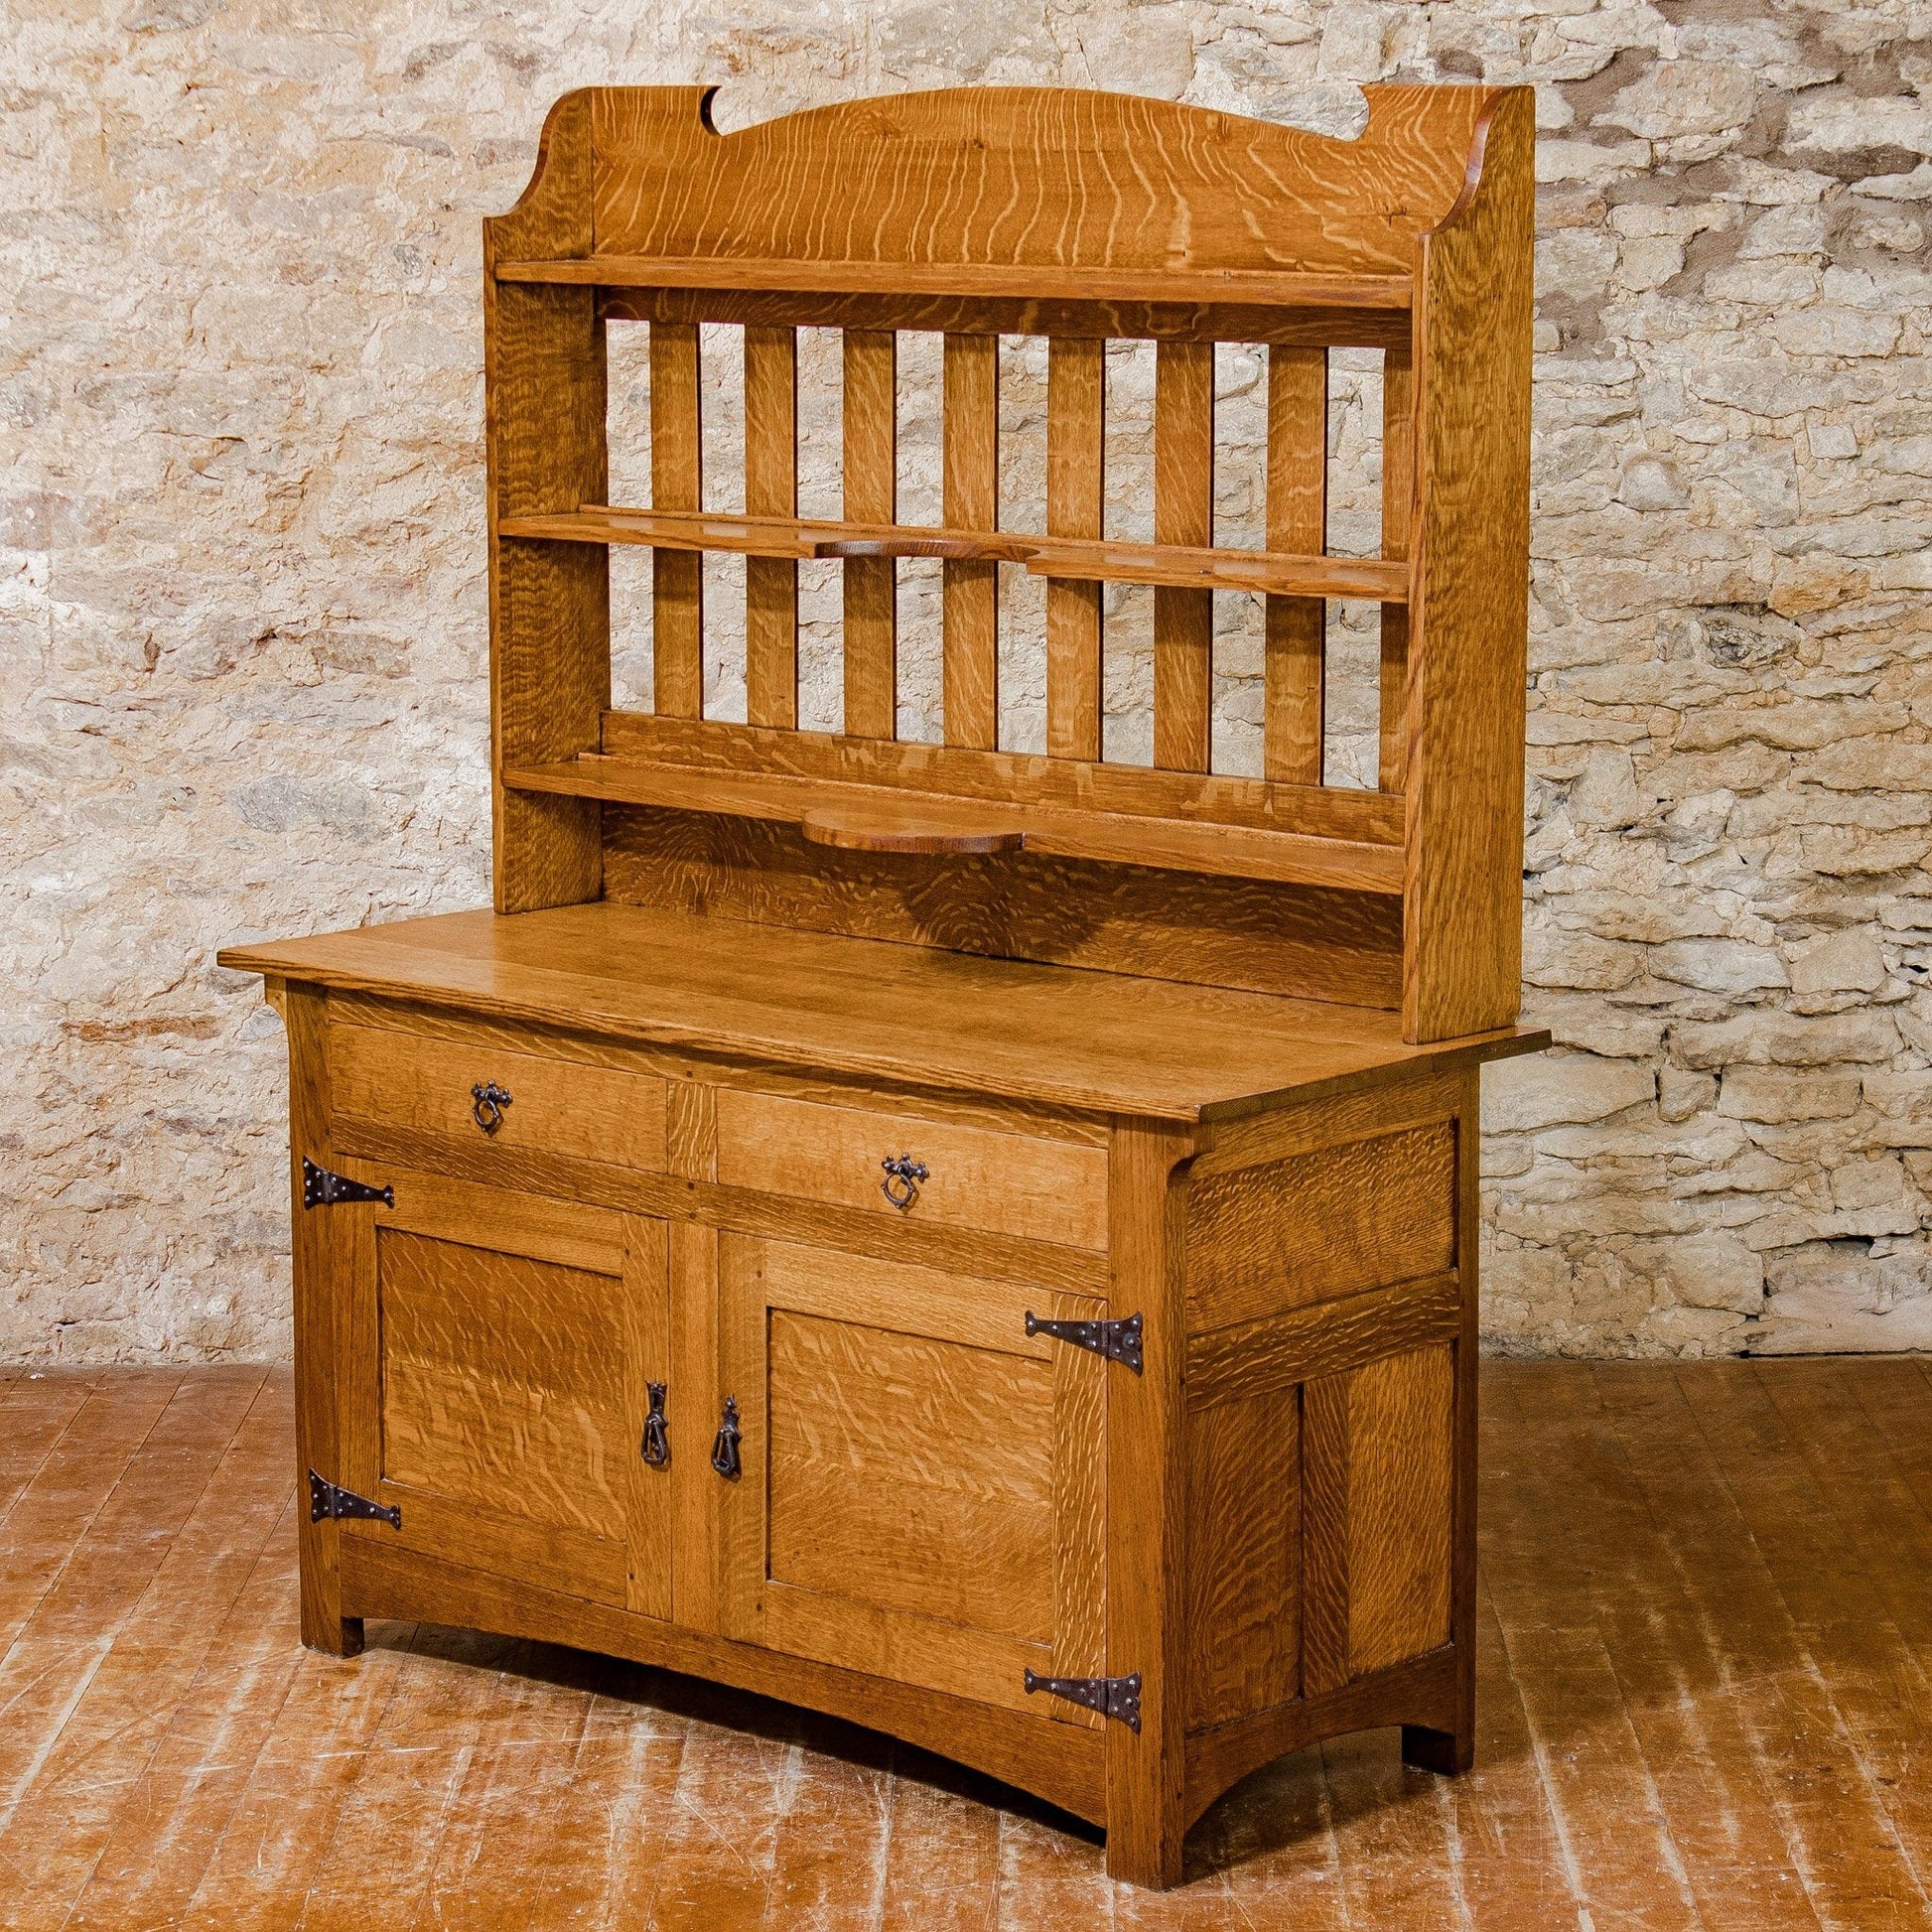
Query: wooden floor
[(1706, 1701)]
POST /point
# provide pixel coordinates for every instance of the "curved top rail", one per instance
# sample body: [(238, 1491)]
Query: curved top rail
[(1020, 178)]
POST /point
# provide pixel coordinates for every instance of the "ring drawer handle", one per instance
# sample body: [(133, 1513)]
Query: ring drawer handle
[(486, 1103), (903, 1177), (656, 1449), (723, 1450)]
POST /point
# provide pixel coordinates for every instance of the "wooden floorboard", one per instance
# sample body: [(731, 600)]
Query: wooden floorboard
[(1705, 1669)]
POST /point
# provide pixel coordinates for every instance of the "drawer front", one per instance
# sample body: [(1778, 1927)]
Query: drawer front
[(1017, 1184), (428, 1085)]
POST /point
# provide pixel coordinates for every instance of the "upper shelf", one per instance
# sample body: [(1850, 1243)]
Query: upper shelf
[(1260, 288), (1273, 573)]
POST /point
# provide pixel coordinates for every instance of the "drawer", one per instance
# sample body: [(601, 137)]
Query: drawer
[(427, 1085), (1019, 1185)]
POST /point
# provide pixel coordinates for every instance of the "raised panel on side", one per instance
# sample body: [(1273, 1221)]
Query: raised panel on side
[(1244, 1555), (1401, 1506), (1280, 1234)]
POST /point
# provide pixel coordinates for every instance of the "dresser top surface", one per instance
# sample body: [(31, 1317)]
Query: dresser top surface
[(1057, 1036)]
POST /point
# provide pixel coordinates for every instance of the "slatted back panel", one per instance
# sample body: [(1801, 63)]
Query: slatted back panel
[(1085, 218)]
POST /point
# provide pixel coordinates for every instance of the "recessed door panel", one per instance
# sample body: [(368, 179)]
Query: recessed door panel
[(921, 1486)]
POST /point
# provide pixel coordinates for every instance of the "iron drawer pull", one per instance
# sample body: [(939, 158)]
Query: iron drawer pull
[(656, 1448), (723, 1451), (486, 1103), (903, 1177)]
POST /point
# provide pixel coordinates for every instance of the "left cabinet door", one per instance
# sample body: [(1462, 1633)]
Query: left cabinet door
[(501, 1350)]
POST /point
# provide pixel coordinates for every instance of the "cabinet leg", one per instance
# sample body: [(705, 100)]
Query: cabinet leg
[(340, 1636), (1143, 1848), (1444, 1752)]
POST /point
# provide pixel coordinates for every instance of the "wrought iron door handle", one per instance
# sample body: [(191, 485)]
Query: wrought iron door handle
[(723, 1450), (903, 1177), (656, 1449), (486, 1103)]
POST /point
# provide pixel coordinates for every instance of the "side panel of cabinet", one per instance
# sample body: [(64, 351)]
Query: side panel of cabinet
[(921, 1486), (501, 1350)]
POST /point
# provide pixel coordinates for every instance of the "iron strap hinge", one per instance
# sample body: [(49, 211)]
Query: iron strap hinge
[(321, 1188), (327, 1500), (1112, 1697), (1118, 1341)]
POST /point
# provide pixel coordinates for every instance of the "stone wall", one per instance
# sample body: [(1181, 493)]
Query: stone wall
[(242, 603)]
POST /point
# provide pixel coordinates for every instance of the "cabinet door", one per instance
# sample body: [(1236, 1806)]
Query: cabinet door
[(502, 1346), (920, 1494)]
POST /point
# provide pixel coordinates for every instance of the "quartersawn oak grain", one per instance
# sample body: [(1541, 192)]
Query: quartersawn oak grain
[(822, 1068)]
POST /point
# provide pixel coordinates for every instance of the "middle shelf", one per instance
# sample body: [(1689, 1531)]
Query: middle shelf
[(1272, 573)]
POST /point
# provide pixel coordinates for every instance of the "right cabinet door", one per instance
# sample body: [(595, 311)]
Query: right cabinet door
[(921, 1490)]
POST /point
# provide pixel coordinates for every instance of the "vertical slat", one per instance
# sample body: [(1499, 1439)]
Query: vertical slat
[(971, 501), (1298, 521), (1183, 513), (1077, 372), (870, 497), (771, 490), (676, 483), (1398, 495)]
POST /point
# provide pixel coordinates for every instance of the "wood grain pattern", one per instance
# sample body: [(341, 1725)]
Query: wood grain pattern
[(1265, 1239), (1077, 832), (970, 500), (1005, 1184), (444, 1207), (1470, 601), (644, 1317), (322, 1347), (1183, 513), (1397, 518), (1410, 1099), (503, 1384), (1080, 1504), (1147, 1601), (1327, 1447), (676, 483), (1008, 777), (699, 1544), (871, 589), (544, 406), (1244, 1555), (1060, 1762), (1296, 646), (1253, 1358), (1165, 925), (740, 1210), (404, 1080), (1076, 446), (1083, 559), (1401, 1506), (1025, 177), (978, 1028), (771, 490), (911, 1473)]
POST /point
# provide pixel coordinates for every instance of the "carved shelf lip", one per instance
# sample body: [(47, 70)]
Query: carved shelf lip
[(1288, 288), (964, 825), (1269, 572)]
